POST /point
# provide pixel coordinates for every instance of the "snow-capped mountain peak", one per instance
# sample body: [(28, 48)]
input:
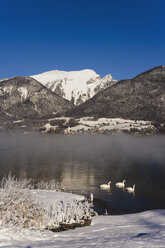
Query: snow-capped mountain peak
[(76, 86)]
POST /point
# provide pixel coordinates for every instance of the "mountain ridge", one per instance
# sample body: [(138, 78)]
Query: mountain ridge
[(76, 86), (142, 97), (24, 97)]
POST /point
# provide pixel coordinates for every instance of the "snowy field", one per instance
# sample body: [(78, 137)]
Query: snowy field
[(145, 229), (90, 124), (101, 124), (27, 215), (26, 212)]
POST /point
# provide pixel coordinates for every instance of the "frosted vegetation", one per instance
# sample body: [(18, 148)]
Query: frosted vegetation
[(21, 206)]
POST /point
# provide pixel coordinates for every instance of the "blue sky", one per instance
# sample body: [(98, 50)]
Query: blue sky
[(121, 37)]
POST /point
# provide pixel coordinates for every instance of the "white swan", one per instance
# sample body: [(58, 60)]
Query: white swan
[(106, 186), (121, 184), (131, 189)]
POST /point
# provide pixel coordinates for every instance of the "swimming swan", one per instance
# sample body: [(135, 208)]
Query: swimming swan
[(131, 189), (121, 184), (105, 186)]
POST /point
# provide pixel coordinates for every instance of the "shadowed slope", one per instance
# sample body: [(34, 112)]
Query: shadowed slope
[(23, 97), (142, 97)]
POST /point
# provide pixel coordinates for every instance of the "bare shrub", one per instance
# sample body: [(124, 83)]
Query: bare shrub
[(72, 212), (20, 208), (49, 185), (17, 206)]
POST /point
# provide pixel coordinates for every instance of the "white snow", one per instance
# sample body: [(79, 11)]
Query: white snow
[(7, 89), (78, 84), (92, 124), (24, 92), (18, 121), (146, 229), (66, 119), (142, 230), (102, 124), (78, 128), (49, 197), (3, 79), (49, 127)]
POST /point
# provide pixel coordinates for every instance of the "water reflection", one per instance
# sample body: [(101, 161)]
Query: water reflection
[(83, 163), (78, 176)]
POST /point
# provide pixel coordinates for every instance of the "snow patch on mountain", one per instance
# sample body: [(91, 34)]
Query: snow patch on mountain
[(7, 89), (24, 92), (3, 79), (76, 86)]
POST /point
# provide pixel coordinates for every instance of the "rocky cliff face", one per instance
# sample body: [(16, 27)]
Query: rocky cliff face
[(76, 86), (140, 98), (24, 97)]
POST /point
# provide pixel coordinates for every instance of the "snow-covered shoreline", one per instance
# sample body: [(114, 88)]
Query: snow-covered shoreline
[(146, 229)]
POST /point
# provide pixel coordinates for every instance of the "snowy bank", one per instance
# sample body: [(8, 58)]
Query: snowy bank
[(49, 197), (23, 208), (21, 227), (145, 230)]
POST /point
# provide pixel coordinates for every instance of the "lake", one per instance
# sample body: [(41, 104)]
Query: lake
[(83, 163)]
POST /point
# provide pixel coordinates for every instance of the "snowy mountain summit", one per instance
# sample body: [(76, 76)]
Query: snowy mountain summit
[(76, 86)]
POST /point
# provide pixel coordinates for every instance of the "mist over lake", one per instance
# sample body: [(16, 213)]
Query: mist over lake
[(82, 163)]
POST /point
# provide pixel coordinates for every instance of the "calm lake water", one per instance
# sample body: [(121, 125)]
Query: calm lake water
[(82, 163)]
